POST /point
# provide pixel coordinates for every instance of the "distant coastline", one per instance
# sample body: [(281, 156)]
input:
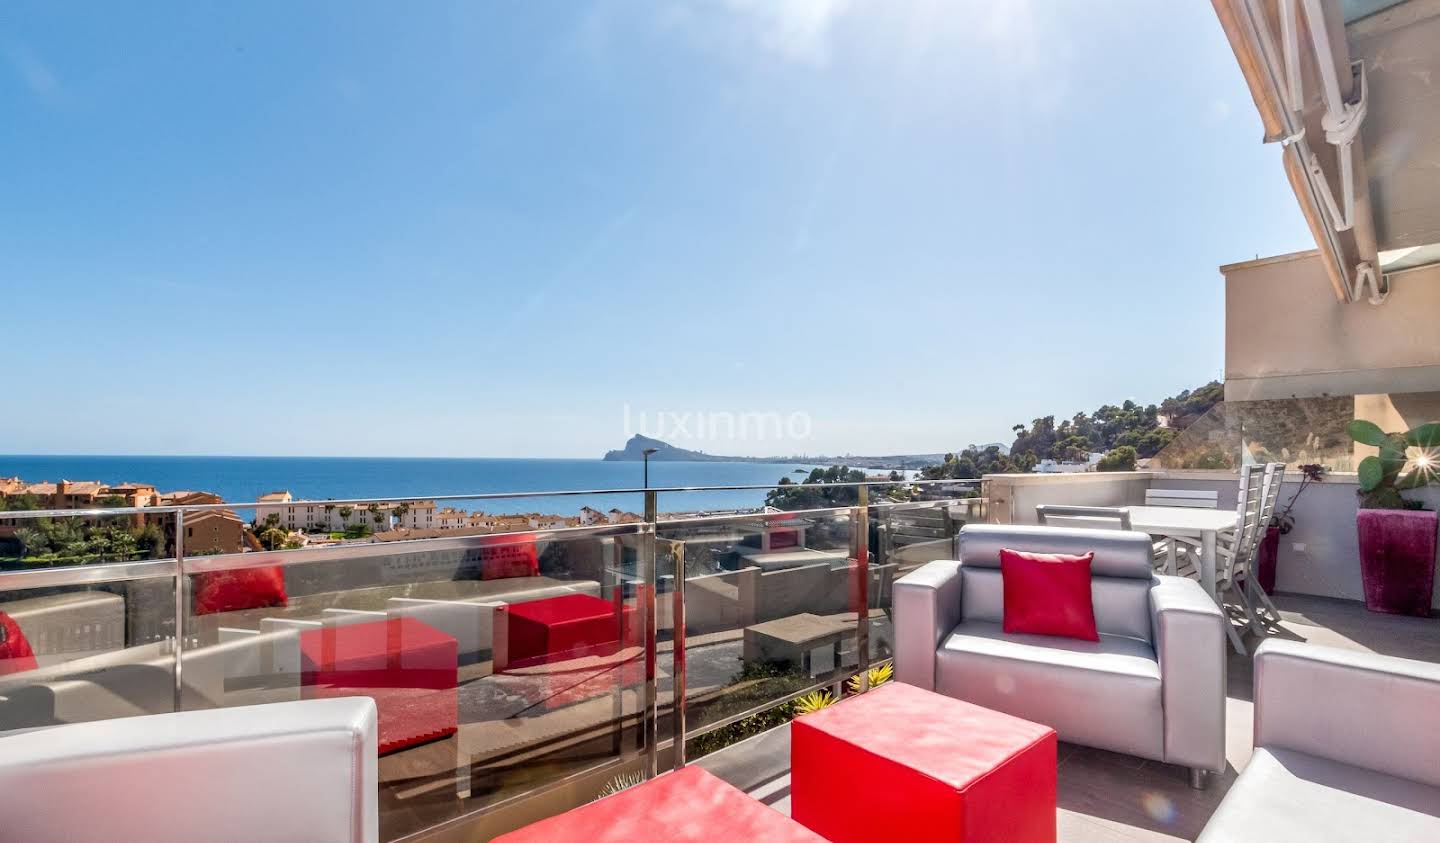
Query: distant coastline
[(634, 451)]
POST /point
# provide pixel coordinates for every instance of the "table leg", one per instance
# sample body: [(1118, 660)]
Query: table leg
[(1207, 562), (1171, 567)]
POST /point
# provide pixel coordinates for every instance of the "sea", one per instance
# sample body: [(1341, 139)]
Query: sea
[(244, 479)]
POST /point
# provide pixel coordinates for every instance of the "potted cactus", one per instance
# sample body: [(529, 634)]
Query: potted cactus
[(1397, 536)]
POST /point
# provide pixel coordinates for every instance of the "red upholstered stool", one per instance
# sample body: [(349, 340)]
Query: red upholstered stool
[(561, 628), (902, 763), (408, 667), (687, 806)]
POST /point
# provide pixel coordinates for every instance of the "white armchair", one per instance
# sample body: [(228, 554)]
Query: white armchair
[(292, 771)]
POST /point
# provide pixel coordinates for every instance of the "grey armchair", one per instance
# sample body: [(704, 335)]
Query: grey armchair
[(1152, 686), (1347, 747)]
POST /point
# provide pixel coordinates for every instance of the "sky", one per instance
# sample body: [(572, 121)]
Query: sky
[(531, 229)]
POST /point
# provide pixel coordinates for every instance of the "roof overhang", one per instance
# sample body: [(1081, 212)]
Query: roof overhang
[(1351, 89)]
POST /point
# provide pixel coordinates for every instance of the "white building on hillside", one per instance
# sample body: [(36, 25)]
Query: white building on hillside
[(327, 516)]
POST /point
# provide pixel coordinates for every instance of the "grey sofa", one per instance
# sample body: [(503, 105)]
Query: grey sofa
[(1153, 686), (1347, 747), (301, 771)]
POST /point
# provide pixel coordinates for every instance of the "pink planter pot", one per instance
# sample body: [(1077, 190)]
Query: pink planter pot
[(1269, 557), (1397, 559)]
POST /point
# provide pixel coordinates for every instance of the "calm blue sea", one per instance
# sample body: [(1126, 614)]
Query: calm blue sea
[(239, 479)]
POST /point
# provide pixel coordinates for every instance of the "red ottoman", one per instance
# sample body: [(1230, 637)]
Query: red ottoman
[(561, 628), (408, 667), (902, 763), (687, 806)]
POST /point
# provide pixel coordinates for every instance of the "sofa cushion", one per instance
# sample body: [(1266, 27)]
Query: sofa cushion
[(1073, 686), (1284, 795), (1117, 554), (1048, 594), (1122, 605)]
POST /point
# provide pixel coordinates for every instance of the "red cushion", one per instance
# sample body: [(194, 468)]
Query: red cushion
[(1048, 594), (15, 652), (247, 588), (510, 560)]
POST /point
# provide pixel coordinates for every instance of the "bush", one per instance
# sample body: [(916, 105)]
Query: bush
[(1119, 459)]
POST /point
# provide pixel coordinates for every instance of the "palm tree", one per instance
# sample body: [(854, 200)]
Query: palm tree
[(345, 513), (401, 510)]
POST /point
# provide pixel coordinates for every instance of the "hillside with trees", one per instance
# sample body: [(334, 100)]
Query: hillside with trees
[(1123, 433)]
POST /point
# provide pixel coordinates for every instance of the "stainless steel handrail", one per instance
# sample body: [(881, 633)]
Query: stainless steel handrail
[(100, 512), (182, 567)]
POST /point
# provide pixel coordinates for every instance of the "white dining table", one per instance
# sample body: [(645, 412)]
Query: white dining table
[(1188, 522)]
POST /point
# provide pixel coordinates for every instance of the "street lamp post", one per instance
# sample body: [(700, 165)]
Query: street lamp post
[(645, 454)]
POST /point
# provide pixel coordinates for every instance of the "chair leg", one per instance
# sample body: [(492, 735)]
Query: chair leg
[(1235, 639), (1247, 605), (1269, 606), (1230, 632), (1198, 777), (1170, 564)]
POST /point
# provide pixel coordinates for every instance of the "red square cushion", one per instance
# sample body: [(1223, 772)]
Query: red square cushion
[(1048, 594), (15, 652), (510, 560), (246, 588)]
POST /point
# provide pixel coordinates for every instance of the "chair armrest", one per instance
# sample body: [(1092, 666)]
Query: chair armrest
[(284, 771), (927, 606), (1372, 711), (1189, 636)]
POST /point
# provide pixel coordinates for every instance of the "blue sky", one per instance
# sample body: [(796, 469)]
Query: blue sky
[(488, 229)]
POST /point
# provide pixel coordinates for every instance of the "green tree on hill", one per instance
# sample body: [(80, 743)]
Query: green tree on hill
[(1120, 459)]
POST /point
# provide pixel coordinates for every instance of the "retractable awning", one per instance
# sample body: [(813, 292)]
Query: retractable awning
[(1351, 89)]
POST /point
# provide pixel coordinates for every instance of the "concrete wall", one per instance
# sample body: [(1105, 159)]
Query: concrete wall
[(1286, 335), (1013, 497)]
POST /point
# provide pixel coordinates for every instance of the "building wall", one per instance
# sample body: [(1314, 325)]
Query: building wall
[(214, 534), (1013, 497), (1286, 335)]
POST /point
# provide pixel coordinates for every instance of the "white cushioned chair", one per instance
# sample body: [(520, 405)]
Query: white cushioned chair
[(291, 771), (1347, 747), (1152, 686)]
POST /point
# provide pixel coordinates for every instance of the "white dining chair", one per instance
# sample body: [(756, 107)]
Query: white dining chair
[(1265, 613), (1176, 554), (1234, 577)]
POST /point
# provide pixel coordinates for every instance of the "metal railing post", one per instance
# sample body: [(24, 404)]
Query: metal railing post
[(180, 582), (649, 715), (862, 587), (677, 658)]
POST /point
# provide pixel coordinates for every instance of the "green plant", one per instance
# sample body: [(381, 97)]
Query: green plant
[(813, 702), (1309, 473), (1121, 458), (619, 783), (1406, 461), (877, 675)]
